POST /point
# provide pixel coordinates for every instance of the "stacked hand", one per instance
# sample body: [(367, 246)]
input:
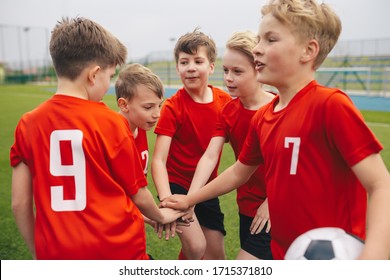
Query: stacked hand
[(169, 208), (176, 201)]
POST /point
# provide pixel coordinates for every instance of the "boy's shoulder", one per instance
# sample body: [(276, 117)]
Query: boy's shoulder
[(219, 91), (221, 94), (176, 97), (232, 105), (321, 92), (231, 108)]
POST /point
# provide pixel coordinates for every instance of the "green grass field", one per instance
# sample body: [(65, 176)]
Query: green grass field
[(18, 99)]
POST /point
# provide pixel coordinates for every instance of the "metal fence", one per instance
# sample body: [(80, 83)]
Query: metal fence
[(360, 65)]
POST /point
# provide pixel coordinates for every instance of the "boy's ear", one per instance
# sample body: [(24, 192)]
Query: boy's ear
[(122, 104), (92, 73), (310, 52), (212, 67)]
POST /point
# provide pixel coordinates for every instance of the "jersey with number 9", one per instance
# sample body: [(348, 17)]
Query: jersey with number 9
[(76, 151)]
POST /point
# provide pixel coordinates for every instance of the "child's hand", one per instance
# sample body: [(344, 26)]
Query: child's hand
[(176, 201), (189, 217), (169, 225), (261, 219)]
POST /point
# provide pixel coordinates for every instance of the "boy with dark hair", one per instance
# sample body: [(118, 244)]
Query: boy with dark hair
[(183, 133)]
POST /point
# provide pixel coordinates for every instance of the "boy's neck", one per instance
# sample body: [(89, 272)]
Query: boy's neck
[(287, 92), (71, 88), (132, 126), (201, 95), (255, 101)]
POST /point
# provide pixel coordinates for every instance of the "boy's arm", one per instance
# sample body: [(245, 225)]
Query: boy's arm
[(374, 176), (158, 166), (22, 204), (230, 179), (207, 163), (146, 204)]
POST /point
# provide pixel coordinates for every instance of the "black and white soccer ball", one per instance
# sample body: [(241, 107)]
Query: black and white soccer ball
[(327, 243)]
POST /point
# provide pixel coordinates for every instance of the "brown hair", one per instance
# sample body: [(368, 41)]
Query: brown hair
[(76, 43), (190, 42), (136, 74), (308, 20)]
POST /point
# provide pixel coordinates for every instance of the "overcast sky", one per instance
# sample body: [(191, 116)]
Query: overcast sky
[(146, 26)]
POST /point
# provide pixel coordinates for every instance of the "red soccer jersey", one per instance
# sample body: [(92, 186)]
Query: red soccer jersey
[(190, 124), (308, 149), (141, 141), (76, 150), (234, 125)]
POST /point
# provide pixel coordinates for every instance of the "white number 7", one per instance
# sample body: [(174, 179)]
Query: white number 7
[(77, 170), (296, 141)]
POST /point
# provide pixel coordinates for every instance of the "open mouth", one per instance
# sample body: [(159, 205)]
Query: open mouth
[(259, 65)]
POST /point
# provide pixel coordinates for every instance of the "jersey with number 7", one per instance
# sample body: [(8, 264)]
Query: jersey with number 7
[(308, 148), (79, 153)]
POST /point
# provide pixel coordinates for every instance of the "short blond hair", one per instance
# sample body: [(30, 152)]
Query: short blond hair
[(308, 20), (133, 75), (243, 42)]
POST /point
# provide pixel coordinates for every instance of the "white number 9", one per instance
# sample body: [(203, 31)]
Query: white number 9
[(77, 170)]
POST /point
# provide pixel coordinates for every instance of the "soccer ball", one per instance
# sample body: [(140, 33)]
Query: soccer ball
[(327, 243)]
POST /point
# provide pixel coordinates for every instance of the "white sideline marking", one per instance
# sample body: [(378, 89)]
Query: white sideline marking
[(379, 124)]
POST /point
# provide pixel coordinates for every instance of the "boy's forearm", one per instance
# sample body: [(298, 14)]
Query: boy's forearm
[(207, 163), (378, 225), (202, 174), (229, 180), (22, 204), (218, 186), (27, 230), (160, 179), (25, 220), (375, 177), (146, 204)]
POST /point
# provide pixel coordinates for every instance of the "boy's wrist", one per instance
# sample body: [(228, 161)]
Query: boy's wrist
[(161, 199), (190, 201)]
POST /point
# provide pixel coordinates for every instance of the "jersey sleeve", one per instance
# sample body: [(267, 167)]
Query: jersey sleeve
[(167, 124), (251, 152), (15, 157), (16, 152), (132, 178), (220, 127), (347, 130)]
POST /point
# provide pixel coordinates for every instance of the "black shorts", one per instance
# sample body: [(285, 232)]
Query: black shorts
[(209, 212), (257, 245)]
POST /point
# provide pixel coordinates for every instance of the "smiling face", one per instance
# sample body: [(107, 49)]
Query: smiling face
[(278, 53), (143, 109), (239, 73), (194, 69)]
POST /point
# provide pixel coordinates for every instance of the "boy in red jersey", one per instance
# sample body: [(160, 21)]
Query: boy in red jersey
[(321, 160), (240, 78), (139, 93), (68, 157), (183, 133)]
